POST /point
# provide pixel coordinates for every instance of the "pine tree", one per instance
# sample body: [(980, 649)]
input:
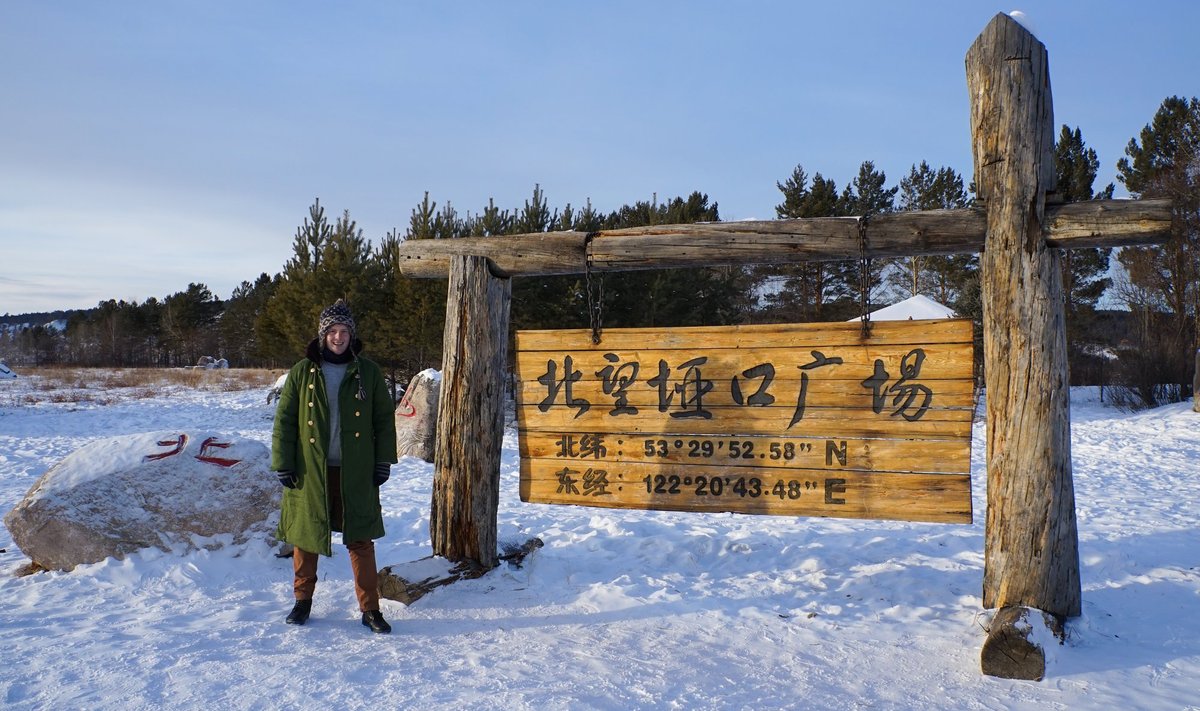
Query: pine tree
[(349, 271), (146, 320), (413, 313), (328, 263), (807, 291), (544, 301), (493, 221), (1083, 270), (672, 297), (421, 221), (113, 323), (289, 320), (536, 216), (942, 278), (238, 335), (1166, 164), (187, 320)]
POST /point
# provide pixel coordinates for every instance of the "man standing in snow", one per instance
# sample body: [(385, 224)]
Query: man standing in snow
[(333, 446)]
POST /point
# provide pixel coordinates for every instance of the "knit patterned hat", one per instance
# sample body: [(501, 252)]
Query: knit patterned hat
[(338, 313)]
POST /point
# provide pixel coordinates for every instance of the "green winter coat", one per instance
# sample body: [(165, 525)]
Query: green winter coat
[(300, 443)]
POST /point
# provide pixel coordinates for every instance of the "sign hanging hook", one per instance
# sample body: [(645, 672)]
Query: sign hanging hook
[(595, 300), (864, 279)]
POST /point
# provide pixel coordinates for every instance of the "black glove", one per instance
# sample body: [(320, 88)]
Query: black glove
[(287, 477), (383, 470)]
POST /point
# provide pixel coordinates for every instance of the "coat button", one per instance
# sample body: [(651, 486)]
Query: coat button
[(310, 424), (357, 413), (312, 440), (355, 435), (312, 370), (310, 386), (310, 404)]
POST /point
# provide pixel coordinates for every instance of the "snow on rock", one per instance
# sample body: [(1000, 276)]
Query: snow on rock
[(416, 416), (158, 489), (208, 362), (277, 388), (6, 372)]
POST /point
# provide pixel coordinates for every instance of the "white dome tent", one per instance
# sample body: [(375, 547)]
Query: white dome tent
[(914, 308)]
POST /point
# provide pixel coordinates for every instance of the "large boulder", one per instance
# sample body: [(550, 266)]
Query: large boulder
[(416, 416), (119, 495)]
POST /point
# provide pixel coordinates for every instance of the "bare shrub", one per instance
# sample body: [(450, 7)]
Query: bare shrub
[(231, 380), (248, 378), (1146, 378), (70, 395), (108, 385), (55, 378)]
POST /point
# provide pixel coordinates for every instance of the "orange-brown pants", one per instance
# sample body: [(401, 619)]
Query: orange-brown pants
[(362, 558), (362, 564)]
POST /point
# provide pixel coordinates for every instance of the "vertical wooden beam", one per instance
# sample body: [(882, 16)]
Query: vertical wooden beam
[(466, 483), (1196, 384), (1031, 557)]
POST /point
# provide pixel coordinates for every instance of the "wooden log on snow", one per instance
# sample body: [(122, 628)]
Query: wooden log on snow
[(1016, 645), (409, 582)]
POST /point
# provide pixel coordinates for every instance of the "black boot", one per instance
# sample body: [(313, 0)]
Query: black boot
[(299, 613), (374, 620)]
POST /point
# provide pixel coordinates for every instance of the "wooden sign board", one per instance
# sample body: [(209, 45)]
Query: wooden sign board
[(797, 420)]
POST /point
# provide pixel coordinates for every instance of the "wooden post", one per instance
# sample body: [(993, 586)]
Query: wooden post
[(1196, 384), (466, 484), (1031, 556)]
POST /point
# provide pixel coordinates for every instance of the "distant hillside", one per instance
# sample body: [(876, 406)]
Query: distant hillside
[(39, 316), (9, 322)]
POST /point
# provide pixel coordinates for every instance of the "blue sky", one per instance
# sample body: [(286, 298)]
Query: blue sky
[(147, 145)]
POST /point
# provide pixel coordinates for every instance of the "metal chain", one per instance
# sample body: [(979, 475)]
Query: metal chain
[(864, 280), (596, 303)]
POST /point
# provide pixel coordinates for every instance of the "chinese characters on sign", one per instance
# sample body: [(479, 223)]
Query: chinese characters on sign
[(687, 381), (747, 419)]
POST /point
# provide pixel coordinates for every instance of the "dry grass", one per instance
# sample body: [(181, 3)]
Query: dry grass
[(106, 385)]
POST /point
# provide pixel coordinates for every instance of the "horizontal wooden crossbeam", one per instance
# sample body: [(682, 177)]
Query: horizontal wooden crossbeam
[(1097, 223)]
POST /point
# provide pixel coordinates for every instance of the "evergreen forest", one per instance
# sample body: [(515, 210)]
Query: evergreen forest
[(1136, 332)]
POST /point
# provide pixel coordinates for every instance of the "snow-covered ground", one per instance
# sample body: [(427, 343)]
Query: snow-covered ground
[(620, 609)]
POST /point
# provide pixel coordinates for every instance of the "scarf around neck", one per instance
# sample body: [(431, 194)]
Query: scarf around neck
[(330, 357)]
